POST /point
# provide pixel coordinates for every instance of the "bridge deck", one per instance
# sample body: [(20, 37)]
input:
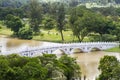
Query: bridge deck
[(67, 48)]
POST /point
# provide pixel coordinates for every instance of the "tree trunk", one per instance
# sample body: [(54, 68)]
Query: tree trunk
[(73, 38), (79, 38), (62, 35), (101, 35), (119, 42), (82, 39)]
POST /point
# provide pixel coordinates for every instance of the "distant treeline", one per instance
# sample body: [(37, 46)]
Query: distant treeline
[(19, 3), (12, 3), (117, 1)]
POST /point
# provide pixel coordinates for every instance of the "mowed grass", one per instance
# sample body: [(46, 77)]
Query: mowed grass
[(4, 30), (55, 36), (46, 35), (115, 49)]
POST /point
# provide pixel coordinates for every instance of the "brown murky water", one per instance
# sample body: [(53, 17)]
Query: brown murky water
[(88, 61), (14, 43)]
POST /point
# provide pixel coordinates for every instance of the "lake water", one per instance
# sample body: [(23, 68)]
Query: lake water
[(88, 61)]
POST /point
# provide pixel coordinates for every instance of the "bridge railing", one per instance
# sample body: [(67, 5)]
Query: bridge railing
[(48, 47)]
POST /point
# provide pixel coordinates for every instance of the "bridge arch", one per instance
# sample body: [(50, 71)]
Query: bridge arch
[(59, 52), (66, 48), (76, 50), (94, 49)]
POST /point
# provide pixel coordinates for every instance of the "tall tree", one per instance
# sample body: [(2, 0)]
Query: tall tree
[(35, 14), (80, 20), (72, 70), (60, 17), (48, 22), (102, 26)]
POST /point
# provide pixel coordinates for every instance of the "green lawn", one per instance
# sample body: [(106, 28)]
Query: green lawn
[(53, 36), (116, 49), (4, 30)]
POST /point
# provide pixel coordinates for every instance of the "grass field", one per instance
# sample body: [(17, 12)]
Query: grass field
[(45, 35), (116, 49), (4, 30), (55, 36)]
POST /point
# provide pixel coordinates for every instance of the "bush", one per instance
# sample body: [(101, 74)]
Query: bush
[(25, 33), (105, 37), (108, 37), (94, 37)]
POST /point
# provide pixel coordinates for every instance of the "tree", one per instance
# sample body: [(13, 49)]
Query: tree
[(14, 23), (15, 73), (116, 72), (60, 17), (70, 67), (101, 25), (48, 22), (3, 67), (80, 20), (25, 33), (116, 31), (73, 3), (107, 11), (4, 11), (16, 60), (46, 67), (107, 66), (35, 15), (34, 71), (117, 11)]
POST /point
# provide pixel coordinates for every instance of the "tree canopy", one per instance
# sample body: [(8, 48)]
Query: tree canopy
[(108, 67), (46, 67), (14, 23)]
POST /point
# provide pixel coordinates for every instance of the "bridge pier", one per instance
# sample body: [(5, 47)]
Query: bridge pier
[(86, 49)]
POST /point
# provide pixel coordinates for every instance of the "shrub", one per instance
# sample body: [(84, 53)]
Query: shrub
[(108, 37), (25, 33)]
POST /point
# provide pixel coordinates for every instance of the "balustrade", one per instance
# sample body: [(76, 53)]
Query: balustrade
[(85, 47)]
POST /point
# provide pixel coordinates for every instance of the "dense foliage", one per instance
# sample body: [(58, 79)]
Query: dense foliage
[(46, 67), (109, 67), (12, 3), (92, 23), (25, 33), (60, 17), (14, 23), (35, 15)]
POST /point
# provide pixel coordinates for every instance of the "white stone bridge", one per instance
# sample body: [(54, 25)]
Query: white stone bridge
[(68, 48)]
